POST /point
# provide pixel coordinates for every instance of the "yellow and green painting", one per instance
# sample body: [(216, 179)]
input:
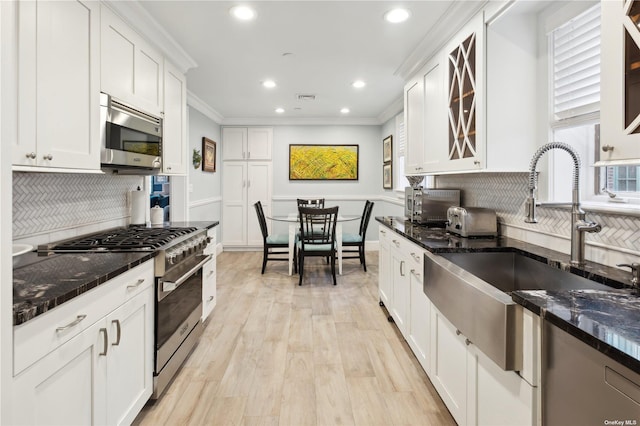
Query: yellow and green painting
[(323, 162)]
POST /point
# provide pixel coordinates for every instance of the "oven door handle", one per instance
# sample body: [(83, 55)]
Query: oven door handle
[(172, 285)]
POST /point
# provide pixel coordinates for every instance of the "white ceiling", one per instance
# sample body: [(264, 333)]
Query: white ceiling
[(330, 44)]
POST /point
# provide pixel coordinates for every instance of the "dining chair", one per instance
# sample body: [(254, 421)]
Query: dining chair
[(314, 202), (317, 236), (273, 244), (356, 241)]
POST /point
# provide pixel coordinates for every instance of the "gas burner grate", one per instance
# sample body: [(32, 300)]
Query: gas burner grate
[(124, 239)]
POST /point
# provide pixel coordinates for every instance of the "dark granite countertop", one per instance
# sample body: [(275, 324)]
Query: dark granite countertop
[(48, 281), (607, 320)]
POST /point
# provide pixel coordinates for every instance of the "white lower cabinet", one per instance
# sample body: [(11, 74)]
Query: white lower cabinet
[(101, 375), (209, 298), (475, 389)]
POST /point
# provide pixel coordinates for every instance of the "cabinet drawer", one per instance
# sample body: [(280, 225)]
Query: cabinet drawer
[(36, 338)]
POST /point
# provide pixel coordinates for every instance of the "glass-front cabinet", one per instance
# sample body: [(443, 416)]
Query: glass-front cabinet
[(620, 90)]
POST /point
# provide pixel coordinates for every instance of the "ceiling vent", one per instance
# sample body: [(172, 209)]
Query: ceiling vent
[(305, 97)]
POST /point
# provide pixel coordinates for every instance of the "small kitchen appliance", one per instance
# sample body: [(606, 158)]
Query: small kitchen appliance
[(472, 222), (429, 206)]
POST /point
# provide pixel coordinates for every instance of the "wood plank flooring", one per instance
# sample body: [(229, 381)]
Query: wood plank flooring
[(274, 353)]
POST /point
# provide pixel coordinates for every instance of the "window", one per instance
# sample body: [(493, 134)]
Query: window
[(398, 165), (575, 112)]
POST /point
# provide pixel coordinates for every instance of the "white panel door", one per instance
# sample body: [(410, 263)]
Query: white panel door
[(130, 358), (385, 286), (118, 51), (419, 319), (174, 131), (67, 386), (259, 142), (58, 80), (258, 189), (414, 126), (234, 203), (401, 290), (435, 117), (234, 143), (148, 78)]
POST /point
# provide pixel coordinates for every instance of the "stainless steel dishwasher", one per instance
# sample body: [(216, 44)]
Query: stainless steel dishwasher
[(583, 386)]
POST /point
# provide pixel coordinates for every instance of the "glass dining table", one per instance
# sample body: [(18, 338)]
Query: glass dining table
[(294, 222)]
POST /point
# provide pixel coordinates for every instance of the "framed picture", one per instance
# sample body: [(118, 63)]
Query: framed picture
[(208, 155), (387, 149), (323, 162), (387, 176)]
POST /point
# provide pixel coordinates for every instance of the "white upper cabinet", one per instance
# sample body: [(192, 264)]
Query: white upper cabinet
[(242, 143), (174, 131), (620, 83), (58, 85), (131, 70)]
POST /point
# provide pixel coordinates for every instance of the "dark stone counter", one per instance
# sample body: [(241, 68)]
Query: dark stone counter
[(609, 321), (48, 281)]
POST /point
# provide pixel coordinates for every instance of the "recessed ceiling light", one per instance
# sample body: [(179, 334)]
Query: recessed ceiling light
[(397, 15), (345, 110), (244, 13), (358, 84), (279, 110), (269, 84)]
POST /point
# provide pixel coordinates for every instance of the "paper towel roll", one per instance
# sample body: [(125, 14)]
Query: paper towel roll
[(157, 215), (138, 207)]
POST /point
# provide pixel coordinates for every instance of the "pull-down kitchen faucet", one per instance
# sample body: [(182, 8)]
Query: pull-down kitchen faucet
[(578, 223)]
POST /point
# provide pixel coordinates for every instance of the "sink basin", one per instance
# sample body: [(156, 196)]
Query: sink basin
[(510, 271), (472, 291)]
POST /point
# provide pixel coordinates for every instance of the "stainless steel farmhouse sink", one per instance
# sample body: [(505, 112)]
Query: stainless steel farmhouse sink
[(472, 291)]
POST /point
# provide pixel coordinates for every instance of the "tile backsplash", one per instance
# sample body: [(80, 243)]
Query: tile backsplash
[(46, 203), (506, 193)]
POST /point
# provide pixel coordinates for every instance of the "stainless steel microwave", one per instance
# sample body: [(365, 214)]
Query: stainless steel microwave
[(131, 139)]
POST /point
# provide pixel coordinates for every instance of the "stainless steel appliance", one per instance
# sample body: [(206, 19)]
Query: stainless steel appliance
[(178, 269), (472, 221), (581, 385), (131, 139), (429, 206)]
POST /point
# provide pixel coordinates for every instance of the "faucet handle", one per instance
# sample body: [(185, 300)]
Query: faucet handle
[(635, 272)]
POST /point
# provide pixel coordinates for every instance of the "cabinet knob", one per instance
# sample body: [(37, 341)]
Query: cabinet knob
[(48, 157), (31, 155), (607, 148), (467, 342), (476, 162)]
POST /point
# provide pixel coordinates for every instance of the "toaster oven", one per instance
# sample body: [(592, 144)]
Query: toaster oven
[(429, 206)]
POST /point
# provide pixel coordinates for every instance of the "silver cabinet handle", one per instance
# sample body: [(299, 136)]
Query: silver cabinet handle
[(244, 154), (607, 148), (248, 183), (383, 232), (397, 243), (458, 332), (118, 331), (210, 273), (136, 285), (73, 323), (210, 299), (402, 268), (31, 155), (416, 274), (47, 157), (105, 340), (248, 155), (415, 257), (168, 167), (467, 342)]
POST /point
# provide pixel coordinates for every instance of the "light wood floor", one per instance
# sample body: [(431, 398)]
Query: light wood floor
[(274, 353)]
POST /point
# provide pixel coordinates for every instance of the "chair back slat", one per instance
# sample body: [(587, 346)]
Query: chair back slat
[(366, 215), (262, 220)]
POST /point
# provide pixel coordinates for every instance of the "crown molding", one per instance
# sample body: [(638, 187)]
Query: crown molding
[(455, 17), (142, 22), (201, 106), (392, 110)]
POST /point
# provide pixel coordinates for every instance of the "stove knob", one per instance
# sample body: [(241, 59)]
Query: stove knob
[(171, 256)]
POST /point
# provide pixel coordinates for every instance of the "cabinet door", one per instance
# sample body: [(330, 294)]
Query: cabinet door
[(465, 98), (258, 189), (234, 143), (67, 386), (58, 85), (620, 81), (419, 318), (385, 286), (174, 132), (234, 203), (130, 358), (449, 365), (131, 70), (401, 290), (259, 143), (414, 125), (435, 115)]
